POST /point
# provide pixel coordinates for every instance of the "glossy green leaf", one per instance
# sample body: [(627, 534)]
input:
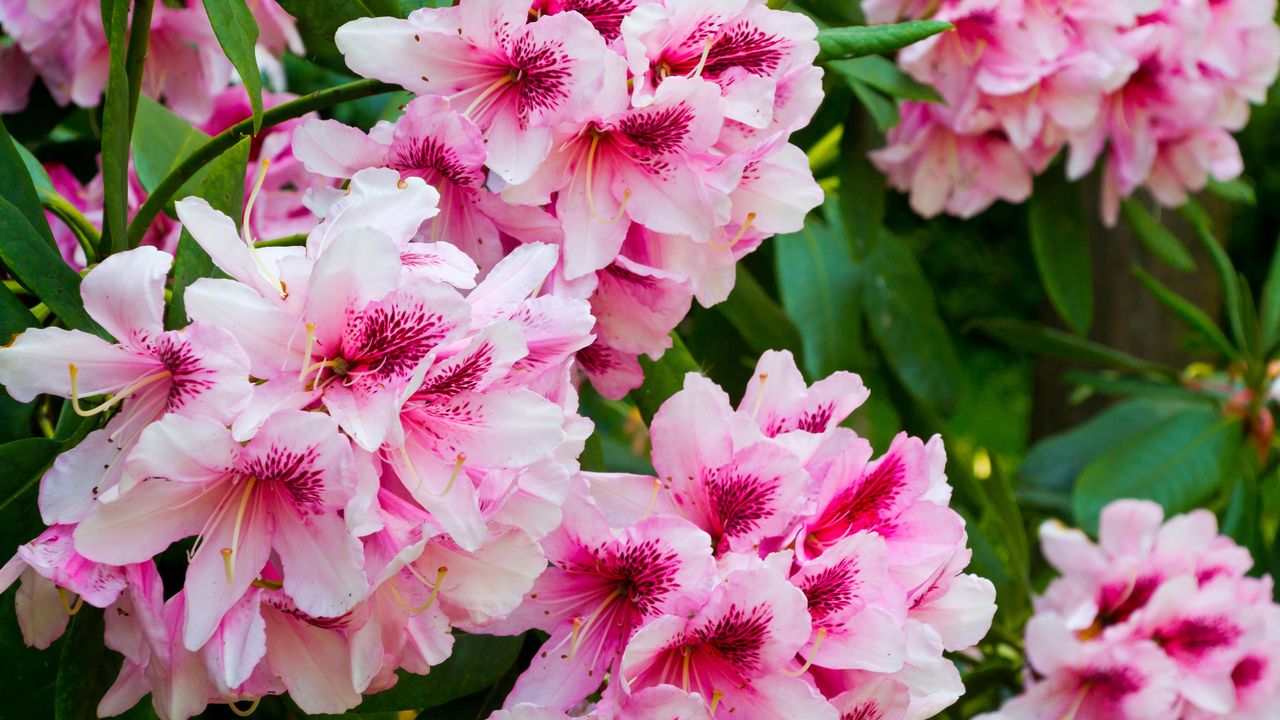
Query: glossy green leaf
[(24, 462), (115, 128), (161, 141), (663, 378), (1187, 312), (1060, 242), (857, 41), (223, 187), (39, 176), (16, 184), (1039, 339), (1051, 467), (759, 318), (883, 75), (237, 33), (477, 662), (1180, 462), (904, 320), (39, 267), (1156, 237), (818, 286)]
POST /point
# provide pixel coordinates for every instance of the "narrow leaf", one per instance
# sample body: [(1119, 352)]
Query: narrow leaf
[(17, 187), (1203, 224), (237, 33), (115, 129), (663, 378), (1238, 191), (1060, 242), (24, 462), (223, 187), (1270, 311), (758, 318), (883, 110), (904, 319), (1048, 341), (849, 42), (39, 267), (162, 140), (1180, 463), (1187, 312), (1156, 237)]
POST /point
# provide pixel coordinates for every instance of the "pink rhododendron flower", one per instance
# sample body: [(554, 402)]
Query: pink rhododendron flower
[(740, 582), (16, 76), (1148, 90), (647, 139), (1157, 619)]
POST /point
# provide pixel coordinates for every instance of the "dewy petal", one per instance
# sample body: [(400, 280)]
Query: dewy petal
[(125, 293)]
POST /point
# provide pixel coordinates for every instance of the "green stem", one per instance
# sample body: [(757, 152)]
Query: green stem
[(136, 57), (286, 241), (224, 140), (86, 234)]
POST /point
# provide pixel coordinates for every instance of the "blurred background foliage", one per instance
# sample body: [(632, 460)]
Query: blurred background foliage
[(1156, 386)]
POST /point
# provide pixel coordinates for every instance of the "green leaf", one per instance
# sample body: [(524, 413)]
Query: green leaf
[(1060, 242), (162, 140), (115, 129), (1034, 338), (1187, 312), (1052, 466), (223, 187), (1238, 191), (880, 73), (39, 176), (759, 319), (39, 267), (904, 319), (237, 33), (477, 662), (1156, 237), (1270, 311), (1203, 224), (663, 378), (27, 684), (86, 668), (883, 110), (24, 462), (319, 20), (818, 286), (1180, 462), (849, 42), (16, 185)]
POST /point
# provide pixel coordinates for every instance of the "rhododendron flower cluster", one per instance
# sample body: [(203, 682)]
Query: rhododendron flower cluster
[(771, 569), (366, 445), (1149, 89), (648, 140), (1155, 620), (64, 44)]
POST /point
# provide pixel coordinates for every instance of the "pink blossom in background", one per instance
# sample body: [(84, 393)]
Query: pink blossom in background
[(1149, 91), (717, 584), (16, 76), (65, 43), (648, 140), (1156, 619)]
